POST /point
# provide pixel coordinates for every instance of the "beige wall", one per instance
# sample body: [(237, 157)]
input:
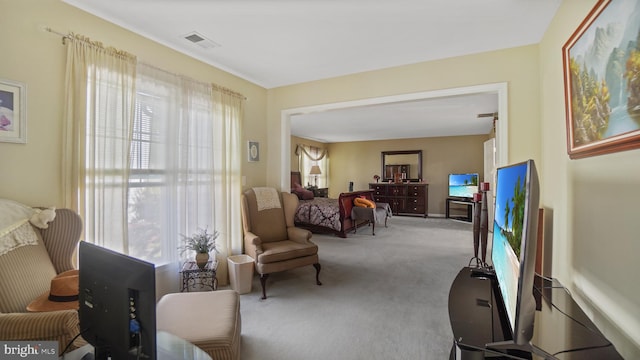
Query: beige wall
[(595, 226), (31, 173), (518, 67)]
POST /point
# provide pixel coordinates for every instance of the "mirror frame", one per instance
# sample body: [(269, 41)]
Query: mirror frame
[(401, 152)]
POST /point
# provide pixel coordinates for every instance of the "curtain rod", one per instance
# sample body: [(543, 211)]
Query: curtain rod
[(63, 36), (215, 86)]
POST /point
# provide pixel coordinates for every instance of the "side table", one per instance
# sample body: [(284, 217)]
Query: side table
[(192, 275)]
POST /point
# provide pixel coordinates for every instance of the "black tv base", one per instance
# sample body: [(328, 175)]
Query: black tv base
[(481, 331), (467, 203)]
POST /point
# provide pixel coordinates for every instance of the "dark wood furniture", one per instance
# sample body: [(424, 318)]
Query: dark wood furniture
[(319, 192), (466, 203), (479, 324), (404, 199)]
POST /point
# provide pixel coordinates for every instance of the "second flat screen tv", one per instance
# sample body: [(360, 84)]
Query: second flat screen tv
[(463, 185), (514, 245)]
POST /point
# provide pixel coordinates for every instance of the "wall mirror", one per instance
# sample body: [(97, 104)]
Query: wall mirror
[(406, 163)]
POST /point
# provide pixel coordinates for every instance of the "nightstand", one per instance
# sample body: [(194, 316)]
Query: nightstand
[(320, 192)]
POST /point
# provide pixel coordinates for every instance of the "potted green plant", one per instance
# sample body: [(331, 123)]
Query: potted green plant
[(202, 242)]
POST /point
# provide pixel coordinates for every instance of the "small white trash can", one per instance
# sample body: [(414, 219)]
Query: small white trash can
[(240, 273)]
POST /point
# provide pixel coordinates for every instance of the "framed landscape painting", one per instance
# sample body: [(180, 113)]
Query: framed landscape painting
[(13, 118), (602, 80)]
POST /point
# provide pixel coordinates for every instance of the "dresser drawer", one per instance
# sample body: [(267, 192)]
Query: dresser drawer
[(380, 199), (397, 190), (378, 189), (414, 209), (416, 191), (403, 198)]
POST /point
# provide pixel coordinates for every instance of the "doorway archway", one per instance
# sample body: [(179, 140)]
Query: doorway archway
[(502, 138)]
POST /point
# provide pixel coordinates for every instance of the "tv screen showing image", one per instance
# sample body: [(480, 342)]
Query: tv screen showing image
[(514, 244), (463, 185)]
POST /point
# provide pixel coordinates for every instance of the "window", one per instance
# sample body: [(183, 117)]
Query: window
[(171, 180), (308, 158), (151, 155)]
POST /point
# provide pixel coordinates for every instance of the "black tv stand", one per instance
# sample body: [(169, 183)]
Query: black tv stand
[(481, 331), (483, 272), (467, 203)]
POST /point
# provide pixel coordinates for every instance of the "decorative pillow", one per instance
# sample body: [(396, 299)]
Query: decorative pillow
[(42, 218), (361, 202), (302, 193)]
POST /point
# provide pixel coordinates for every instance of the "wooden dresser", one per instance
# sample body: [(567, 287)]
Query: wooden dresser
[(404, 199)]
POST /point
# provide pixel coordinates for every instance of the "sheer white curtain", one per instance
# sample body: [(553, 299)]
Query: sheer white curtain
[(172, 182), (228, 114), (100, 94), (154, 155)]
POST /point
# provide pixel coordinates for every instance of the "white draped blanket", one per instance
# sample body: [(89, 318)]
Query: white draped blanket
[(267, 198), (15, 228)]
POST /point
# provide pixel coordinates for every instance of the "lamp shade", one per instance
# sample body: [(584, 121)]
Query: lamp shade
[(315, 170)]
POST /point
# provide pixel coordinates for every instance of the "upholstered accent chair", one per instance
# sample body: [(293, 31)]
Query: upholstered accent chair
[(270, 236), (26, 273)]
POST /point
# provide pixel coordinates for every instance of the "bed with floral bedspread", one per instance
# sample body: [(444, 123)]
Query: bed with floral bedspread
[(322, 215)]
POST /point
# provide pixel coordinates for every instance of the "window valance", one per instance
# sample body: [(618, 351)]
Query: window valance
[(318, 153)]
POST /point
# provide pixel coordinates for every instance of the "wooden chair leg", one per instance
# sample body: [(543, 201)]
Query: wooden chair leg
[(263, 281), (317, 266)]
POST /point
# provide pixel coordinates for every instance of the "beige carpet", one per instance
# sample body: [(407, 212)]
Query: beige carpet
[(383, 296)]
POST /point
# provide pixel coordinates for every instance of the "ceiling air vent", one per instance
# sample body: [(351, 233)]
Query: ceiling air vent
[(200, 40)]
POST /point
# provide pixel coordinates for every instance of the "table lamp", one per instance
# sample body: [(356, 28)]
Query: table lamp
[(315, 171)]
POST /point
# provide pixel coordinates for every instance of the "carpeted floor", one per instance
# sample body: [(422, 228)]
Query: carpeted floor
[(383, 296)]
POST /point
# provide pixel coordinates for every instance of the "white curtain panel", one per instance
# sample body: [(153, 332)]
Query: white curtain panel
[(100, 94), (155, 155)]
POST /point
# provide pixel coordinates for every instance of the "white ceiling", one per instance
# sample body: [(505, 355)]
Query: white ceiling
[(275, 43), (441, 116)]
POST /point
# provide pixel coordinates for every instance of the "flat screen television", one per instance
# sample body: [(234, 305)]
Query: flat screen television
[(117, 303), (463, 185), (514, 246)]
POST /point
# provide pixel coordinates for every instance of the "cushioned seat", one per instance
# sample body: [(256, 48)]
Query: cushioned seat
[(210, 320), (377, 215), (270, 236), (284, 250), (26, 273)]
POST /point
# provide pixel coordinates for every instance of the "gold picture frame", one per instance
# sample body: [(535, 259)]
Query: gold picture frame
[(13, 112), (602, 81)]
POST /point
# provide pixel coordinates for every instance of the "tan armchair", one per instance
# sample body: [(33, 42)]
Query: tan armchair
[(270, 236), (26, 273)]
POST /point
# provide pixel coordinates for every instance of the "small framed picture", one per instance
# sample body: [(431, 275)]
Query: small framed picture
[(254, 151), (13, 116)]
